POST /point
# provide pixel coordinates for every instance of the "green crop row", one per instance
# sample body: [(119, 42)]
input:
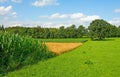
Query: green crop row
[(17, 51)]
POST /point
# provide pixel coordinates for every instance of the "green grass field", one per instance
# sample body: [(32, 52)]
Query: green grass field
[(67, 40), (93, 59)]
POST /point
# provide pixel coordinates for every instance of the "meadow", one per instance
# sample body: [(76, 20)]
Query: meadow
[(93, 59), (67, 40)]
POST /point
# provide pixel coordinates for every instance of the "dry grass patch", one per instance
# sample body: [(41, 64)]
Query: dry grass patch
[(59, 48)]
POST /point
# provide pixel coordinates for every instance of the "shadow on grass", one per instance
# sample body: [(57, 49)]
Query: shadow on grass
[(83, 41), (106, 39)]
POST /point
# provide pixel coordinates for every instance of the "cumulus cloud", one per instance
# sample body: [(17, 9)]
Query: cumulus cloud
[(58, 16), (55, 20), (6, 12), (41, 3), (55, 16), (89, 18), (77, 16), (74, 18), (117, 10), (115, 21)]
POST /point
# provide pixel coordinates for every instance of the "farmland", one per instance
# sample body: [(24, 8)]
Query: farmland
[(60, 48), (93, 59), (59, 38)]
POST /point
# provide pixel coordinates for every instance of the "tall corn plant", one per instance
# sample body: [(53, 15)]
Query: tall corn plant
[(17, 51)]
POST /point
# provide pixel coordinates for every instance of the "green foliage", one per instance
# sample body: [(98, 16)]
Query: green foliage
[(61, 32), (99, 29), (46, 33), (38, 32), (17, 51), (81, 31), (71, 32), (93, 59), (66, 40), (118, 32), (2, 29)]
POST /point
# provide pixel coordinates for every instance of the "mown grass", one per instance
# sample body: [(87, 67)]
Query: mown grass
[(93, 59)]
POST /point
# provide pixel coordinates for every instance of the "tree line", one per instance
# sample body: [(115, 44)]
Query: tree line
[(98, 29), (39, 32)]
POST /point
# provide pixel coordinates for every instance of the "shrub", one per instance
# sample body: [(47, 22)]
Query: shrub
[(17, 51), (83, 41)]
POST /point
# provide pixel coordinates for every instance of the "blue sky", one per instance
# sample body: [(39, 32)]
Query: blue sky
[(55, 13)]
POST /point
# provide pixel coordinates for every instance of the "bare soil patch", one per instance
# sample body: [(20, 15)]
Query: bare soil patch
[(59, 48)]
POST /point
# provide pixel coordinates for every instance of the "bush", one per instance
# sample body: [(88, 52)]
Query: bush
[(83, 41), (17, 51)]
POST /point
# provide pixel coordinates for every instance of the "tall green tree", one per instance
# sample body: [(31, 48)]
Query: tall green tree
[(98, 29), (118, 32), (113, 31), (2, 28), (61, 32), (71, 31), (81, 31), (47, 33)]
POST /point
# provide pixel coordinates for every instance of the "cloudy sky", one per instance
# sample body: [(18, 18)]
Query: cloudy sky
[(55, 13)]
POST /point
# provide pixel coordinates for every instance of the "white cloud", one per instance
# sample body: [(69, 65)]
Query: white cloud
[(90, 18), (117, 10), (74, 18), (7, 12), (41, 3), (54, 20), (57, 16), (14, 13), (115, 21), (77, 15), (84, 20), (16, 1)]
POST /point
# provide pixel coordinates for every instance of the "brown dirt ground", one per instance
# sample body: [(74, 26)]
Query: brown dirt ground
[(59, 48)]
